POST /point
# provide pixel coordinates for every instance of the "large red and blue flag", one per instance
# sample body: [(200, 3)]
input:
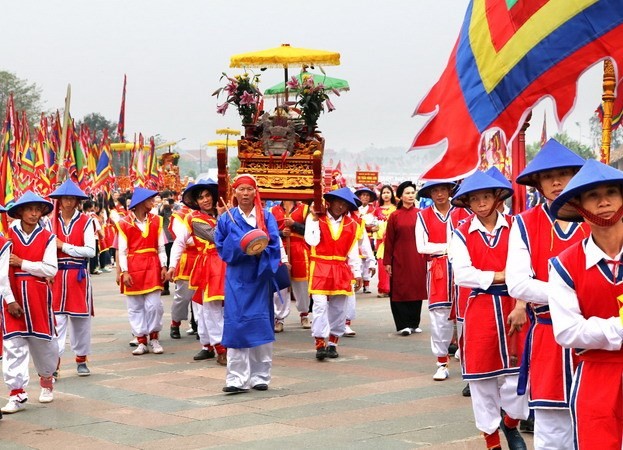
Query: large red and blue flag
[(510, 54)]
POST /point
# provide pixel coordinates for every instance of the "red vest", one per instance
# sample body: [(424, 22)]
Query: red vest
[(31, 292), (597, 295), (207, 276), (71, 288), (486, 349), (435, 225), (330, 273), (187, 260), (143, 262)]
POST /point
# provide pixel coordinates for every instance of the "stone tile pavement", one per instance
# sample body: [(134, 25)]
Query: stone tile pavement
[(379, 394)]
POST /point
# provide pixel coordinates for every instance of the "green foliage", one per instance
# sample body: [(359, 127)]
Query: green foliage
[(584, 151), (97, 123), (616, 138), (27, 96), (234, 165)]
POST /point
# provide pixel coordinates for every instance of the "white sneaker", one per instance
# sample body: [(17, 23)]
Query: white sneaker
[(348, 331), (457, 355), (133, 342), (417, 330), (140, 350), (106, 269), (405, 332), (442, 373), (156, 348), (46, 395), (15, 404)]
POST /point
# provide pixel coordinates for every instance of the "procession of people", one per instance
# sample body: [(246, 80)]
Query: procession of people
[(524, 343)]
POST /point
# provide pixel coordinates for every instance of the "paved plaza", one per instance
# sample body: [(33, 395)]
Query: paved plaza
[(378, 395)]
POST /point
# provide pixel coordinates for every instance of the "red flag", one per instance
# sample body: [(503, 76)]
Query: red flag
[(499, 68), (121, 124)]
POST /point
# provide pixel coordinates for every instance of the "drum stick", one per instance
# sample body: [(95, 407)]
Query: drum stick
[(228, 211)]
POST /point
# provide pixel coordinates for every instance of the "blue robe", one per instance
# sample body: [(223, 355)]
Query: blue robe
[(249, 315)]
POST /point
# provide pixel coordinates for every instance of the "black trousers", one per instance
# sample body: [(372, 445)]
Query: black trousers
[(406, 314)]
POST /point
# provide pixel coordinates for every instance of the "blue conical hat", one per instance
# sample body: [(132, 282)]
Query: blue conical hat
[(477, 182), (553, 155), (200, 185), (591, 175), (494, 172), (356, 199), (373, 195), (68, 189), (26, 199), (140, 195), (343, 194), (424, 192)]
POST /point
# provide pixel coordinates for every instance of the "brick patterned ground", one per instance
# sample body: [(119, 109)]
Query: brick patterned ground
[(378, 394)]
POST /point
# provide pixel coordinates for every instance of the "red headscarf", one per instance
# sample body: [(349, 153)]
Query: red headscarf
[(259, 212)]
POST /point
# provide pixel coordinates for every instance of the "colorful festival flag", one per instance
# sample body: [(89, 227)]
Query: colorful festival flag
[(509, 55), (121, 124)]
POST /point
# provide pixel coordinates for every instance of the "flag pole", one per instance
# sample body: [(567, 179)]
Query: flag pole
[(607, 98), (62, 170)]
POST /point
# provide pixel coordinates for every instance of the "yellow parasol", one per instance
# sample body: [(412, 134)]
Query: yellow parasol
[(127, 146), (225, 142), (222, 143), (285, 56)]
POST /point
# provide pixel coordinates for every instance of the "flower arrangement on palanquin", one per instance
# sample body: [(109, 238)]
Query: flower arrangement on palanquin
[(168, 159)]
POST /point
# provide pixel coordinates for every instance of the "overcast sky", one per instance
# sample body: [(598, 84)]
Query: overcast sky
[(173, 53)]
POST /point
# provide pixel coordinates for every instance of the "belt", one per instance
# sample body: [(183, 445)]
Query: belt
[(81, 267), (494, 289)]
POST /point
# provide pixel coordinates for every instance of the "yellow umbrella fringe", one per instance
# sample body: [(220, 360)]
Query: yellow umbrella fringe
[(228, 131)]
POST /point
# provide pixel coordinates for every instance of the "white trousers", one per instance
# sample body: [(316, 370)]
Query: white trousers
[(365, 269), (181, 300), (441, 331), (209, 318), (329, 315), (79, 334), (300, 290), (248, 367), (489, 395), (553, 429), (145, 313), (281, 304), (15, 361), (351, 307)]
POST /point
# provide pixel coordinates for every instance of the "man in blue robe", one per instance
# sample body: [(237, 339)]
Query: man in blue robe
[(248, 331)]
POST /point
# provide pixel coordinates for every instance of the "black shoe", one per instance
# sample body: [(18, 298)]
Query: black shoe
[(466, 391), (204, 354), (234, 390), (366, 291), (321, 353), (527, 426), (261, 387), (513, 437), (332, 351), (452, 349), (175, 332)]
